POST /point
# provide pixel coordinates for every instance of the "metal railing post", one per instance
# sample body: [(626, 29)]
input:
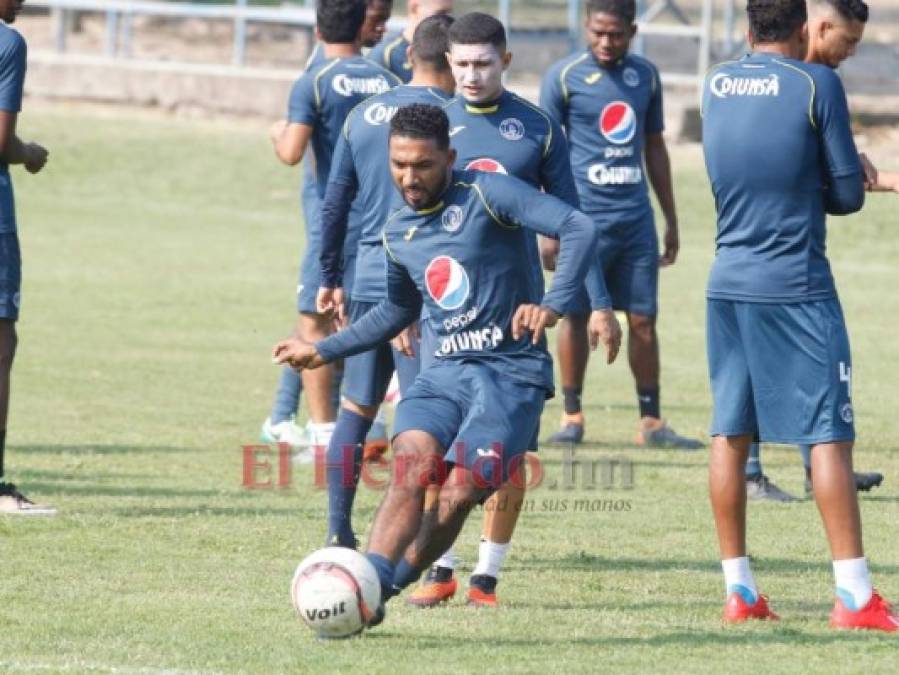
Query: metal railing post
[(127, 34), (112, 30), (60, 27), (240, 36), (728, 26), (705, 40), (574, 28)]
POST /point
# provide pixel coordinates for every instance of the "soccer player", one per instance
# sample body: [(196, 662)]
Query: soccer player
[(610, 104), (319, 103), (33, 157), (280, 427), (456, 247), (360, 171), (778, 349), (492, 129), (835, 29), (391, 52)]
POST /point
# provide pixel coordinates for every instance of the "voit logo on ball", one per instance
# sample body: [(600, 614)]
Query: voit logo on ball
[(486, 164), (447, 282), (618, 122)]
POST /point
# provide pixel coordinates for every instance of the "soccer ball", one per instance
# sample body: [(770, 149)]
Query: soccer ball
[(336, 591)]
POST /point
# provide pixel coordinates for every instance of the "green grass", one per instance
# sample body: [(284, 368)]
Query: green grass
[(160, 265)]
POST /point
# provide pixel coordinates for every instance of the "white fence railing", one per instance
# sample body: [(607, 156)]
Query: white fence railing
[(120, 15)]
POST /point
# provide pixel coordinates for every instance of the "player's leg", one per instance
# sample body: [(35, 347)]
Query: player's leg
[(12, 501), (813, 373), (367, 376), (733, 427), (758, 485), (573, 350), (864, 480)]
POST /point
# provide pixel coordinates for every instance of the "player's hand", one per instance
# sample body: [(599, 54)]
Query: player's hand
[(871, 177), (298, 354), (35, 157), (672, 246), (604, 327), (276, 130), (533, 319), (331, 301), (405, 342), (549, 252)]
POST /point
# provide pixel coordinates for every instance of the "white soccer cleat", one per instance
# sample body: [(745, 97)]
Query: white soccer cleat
[(294, 436), (14, 503)]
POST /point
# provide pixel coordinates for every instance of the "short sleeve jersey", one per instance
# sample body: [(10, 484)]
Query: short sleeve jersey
[(390, 53), (607, 113), (13, 54)]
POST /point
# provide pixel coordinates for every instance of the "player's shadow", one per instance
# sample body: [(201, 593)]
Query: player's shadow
[(96, 449), (76, 487), (200, 510)]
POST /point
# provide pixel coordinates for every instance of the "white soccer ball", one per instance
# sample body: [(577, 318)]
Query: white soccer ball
[(336, 591)]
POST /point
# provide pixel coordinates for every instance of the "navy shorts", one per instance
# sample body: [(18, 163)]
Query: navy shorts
[(10, 276), (780, 373), (482, 420), (629, 255), (366, 376)]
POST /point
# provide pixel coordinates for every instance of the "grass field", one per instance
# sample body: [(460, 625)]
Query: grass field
[(160, 262)]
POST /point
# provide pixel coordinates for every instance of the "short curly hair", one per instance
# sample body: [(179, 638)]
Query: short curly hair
[(421, 121), (775, 20), (626, 10), (339, 21)]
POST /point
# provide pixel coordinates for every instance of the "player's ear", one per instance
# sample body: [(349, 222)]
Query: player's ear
[(451, 156), (318, 34), (507, 59), (633, 30), (410, 56)]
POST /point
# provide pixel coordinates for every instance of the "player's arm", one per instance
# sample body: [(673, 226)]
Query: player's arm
[(385, 320), (844, 190), (557, 179), (12, 78), (658, 168), (343, 184), (291, 136), (878, 181)]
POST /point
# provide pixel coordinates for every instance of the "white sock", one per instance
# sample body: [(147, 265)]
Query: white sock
[(490, 558), (320, 433), (853, 582), (738, 579), (448, 559)]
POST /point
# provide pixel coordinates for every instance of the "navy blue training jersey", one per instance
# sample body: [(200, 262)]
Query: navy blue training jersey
[(390, 53), (325, 94), (514, 137), (462, 260), (13, 54), (775, 134), (360, 160), (607, 113), (309, 191)]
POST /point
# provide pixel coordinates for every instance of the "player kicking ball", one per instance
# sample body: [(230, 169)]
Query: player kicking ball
[(456, 248), (778, 348)]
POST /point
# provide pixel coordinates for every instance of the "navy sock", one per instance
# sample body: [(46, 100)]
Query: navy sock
[(572, 400), (650, 402), (806, 451), (336, 385), (386, 571), (2, 449), (344, 459), (405, 575), (754, 462), (287, 398)]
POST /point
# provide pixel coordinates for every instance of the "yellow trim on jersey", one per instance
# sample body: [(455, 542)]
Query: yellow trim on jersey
[(483, 199), (431, 209), (318, 98), (549, 125), (564, 73), (388, 50), (811, 81), (384, 233), (475, 110)]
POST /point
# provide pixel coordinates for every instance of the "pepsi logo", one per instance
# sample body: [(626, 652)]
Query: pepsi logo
[(486, 164), (447, 282), (618, 123)]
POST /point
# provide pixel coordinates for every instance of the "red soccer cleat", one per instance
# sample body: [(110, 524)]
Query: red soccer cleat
[(478, 598), (438, 587), (876, 615), (737, 611)]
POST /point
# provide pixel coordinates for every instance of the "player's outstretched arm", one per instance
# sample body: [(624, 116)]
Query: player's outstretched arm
[(533, 319), (297, 353), (14, 150)]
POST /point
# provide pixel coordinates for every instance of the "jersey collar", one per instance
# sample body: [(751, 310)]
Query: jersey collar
[(484, 108)]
